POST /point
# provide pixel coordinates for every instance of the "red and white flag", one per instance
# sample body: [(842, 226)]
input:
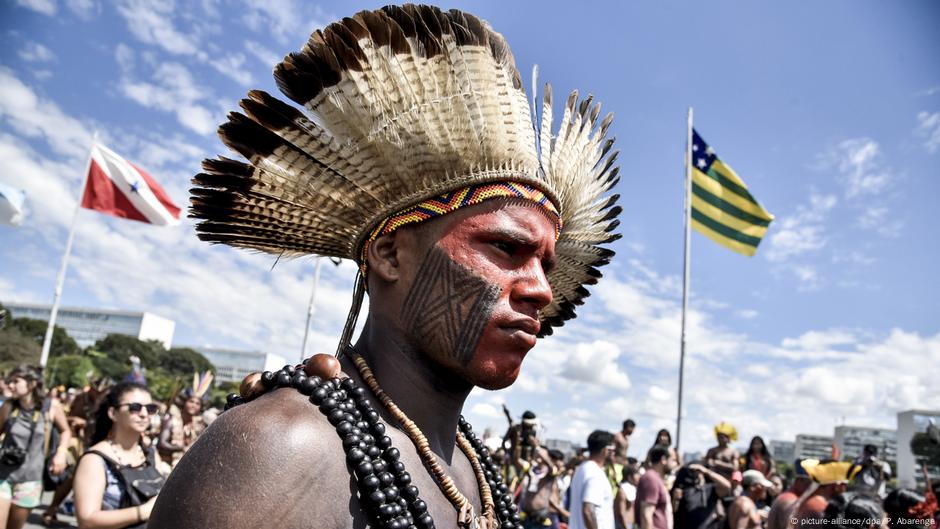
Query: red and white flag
[(117, 187)]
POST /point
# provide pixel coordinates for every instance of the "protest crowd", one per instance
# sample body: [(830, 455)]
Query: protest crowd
[(106, 449)]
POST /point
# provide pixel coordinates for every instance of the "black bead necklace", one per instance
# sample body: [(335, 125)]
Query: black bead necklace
[(386, 493)]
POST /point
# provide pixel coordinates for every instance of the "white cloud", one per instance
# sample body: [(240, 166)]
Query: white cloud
[(152, 23), (264, 54), (879, 219), (746, 314), (929, 91), (36, 52), (156, 23), (232, 66), (859, 162), (29, 115), (45, 7), (84, 9), (802, 232), (286, 20), (596, 363), (175, 91), (928, 126), (820, 340)]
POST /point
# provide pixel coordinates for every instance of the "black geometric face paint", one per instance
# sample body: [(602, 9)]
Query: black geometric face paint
[(448, 306)]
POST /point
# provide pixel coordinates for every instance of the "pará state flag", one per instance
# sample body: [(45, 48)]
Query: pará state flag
[(11, 205), (118, 187)]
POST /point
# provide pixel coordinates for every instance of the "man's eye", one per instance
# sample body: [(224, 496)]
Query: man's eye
[(506, 247)]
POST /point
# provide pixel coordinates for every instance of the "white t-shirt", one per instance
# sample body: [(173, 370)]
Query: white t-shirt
[(590, 485)]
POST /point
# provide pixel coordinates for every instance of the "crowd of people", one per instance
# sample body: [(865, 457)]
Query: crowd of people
[(104, 449), (608, 485)]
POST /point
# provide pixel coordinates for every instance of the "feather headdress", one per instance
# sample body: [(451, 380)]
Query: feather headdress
[(405, 104), (201, 385)]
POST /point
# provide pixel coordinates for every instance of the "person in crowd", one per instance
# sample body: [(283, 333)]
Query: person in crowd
[(118, 478), (622, 441), (747, 510), (664, 440), (758, 458), (723, 458), (854, 510), (783, 504), (697, 495), (830, 478), (556, 506), (27, 417), (81, 419), (591, 498), (625, 498), (873, 473), (653, 506), (898, 506), (182, 425), (4, 391), (539, 498)]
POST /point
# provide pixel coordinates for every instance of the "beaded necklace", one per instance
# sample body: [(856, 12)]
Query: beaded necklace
[(387, 496), (466, 517)]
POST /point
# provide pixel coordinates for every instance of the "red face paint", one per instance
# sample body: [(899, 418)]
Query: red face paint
[(510, 247)]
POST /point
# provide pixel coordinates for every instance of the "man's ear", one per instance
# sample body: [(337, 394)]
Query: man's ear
[(383, 257)]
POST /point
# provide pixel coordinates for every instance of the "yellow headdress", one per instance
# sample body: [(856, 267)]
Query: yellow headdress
[(727, 429), (829, 472)]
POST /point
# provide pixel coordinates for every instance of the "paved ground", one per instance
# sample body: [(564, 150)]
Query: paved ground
[(35, 518)]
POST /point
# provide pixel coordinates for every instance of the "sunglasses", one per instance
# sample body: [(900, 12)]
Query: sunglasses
[(136, 407)]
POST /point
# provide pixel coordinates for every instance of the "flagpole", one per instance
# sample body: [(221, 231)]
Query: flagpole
[(310, 307), (685, 269), (47, 341)]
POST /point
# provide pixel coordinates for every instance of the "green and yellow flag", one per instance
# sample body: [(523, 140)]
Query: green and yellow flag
[(722, 208)]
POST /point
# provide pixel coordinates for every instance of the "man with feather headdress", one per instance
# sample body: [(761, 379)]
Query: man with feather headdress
[(475, 233)]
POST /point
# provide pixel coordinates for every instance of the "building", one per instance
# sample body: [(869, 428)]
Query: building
[(783, 451), (851, 439), (918, 432), (233, 366), (562, 445), (87, 326), (809, 446)]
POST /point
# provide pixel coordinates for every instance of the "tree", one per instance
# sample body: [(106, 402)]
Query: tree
[(62, 343), (70, 370), (184, 361), (119, 348), (17, 348)]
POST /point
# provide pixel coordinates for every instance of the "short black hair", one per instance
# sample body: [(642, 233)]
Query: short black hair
[(598, 440), (870, 449), (528, 415), (628, 424), (657, 453), (556, 454)]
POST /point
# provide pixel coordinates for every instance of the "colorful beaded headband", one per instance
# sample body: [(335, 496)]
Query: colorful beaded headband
[(450, 202)]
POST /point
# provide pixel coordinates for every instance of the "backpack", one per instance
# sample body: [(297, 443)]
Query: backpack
[(138, 484)]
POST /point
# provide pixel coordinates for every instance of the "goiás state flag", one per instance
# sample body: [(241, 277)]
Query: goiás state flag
[(722, 208), (117, 187)]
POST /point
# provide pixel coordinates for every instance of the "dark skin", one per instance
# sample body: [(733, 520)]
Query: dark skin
[(277, 462)]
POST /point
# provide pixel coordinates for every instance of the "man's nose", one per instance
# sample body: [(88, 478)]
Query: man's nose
[(533, 287)]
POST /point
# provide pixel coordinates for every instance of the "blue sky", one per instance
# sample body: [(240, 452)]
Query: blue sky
[(830, 111)]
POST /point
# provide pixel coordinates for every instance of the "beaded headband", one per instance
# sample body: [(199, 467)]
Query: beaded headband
[(450, 202)]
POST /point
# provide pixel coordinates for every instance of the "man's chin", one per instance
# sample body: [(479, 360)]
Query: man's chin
[(495, 375)]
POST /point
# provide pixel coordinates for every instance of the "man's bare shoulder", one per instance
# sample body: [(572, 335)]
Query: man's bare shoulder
[(272, 461)]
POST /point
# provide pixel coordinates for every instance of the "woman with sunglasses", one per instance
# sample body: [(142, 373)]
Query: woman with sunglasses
[(26, 419), (118, 479)]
